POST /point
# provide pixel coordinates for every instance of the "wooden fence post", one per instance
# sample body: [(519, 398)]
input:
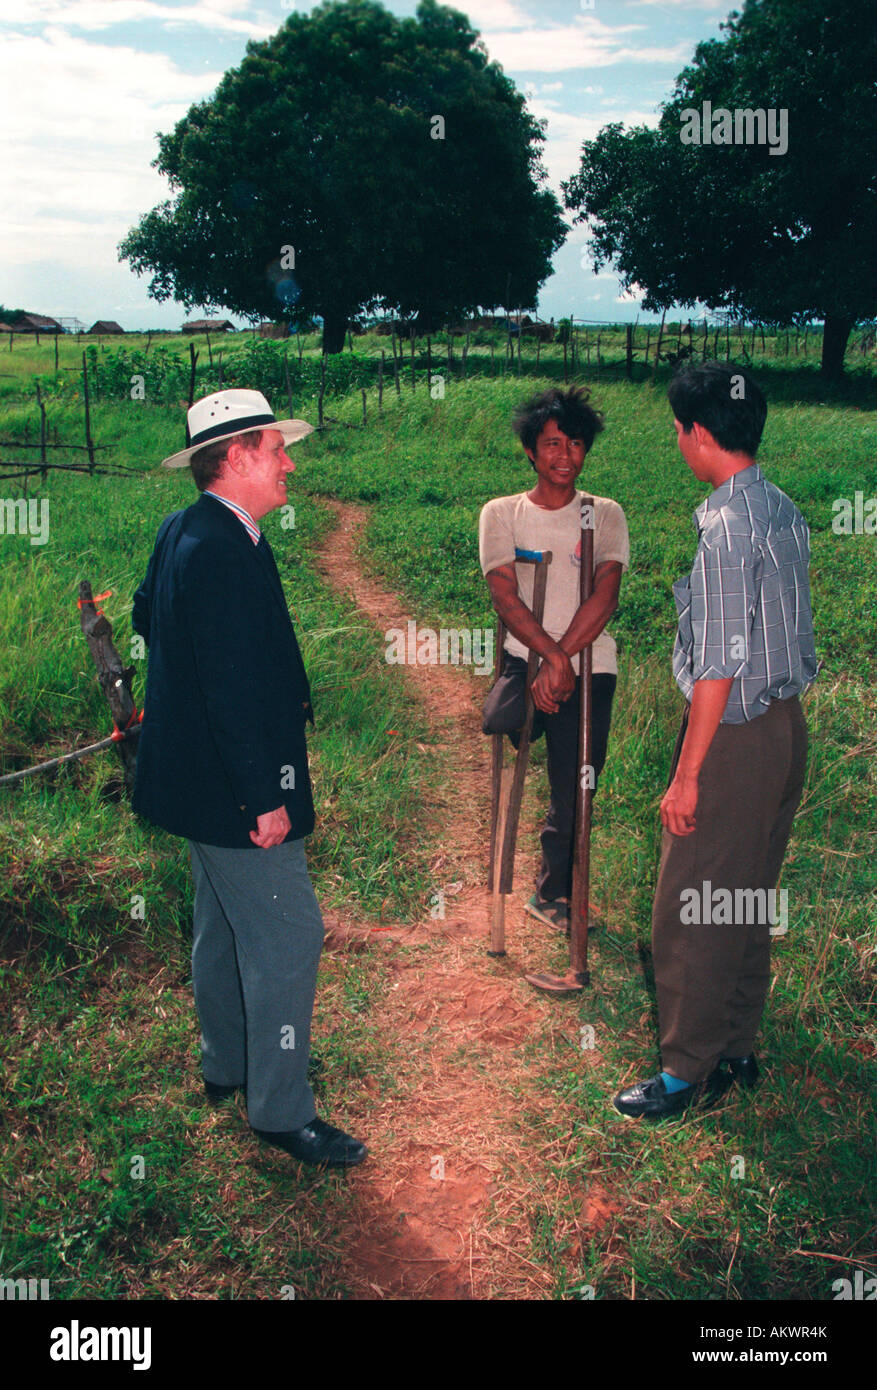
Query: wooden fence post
[(288, 382), (43, 460), (658, 345), (114, 679), (89, 443), (628, 353), (381, 382), (193, 358), (322, 389)]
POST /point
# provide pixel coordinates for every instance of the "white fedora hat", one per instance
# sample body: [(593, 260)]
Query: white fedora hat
[(227, 413)]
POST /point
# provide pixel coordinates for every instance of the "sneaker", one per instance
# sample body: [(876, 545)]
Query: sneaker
[(553, 912)]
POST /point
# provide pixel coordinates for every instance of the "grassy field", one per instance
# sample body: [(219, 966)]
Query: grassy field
[(102, 1060)]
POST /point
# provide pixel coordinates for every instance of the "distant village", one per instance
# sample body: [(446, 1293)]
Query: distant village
[(24, 322)]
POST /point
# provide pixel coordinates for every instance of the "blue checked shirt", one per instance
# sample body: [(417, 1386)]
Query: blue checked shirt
[(744, 611)]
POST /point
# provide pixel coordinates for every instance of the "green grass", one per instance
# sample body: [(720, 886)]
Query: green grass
[(101, 1060)]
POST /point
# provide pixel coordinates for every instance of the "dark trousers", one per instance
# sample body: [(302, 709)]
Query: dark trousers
[(504, 713), (712, 977)]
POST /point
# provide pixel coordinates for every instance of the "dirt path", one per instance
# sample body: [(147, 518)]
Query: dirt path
[(430, 1217)]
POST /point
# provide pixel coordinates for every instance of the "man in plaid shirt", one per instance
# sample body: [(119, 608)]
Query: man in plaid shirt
[(744, 652)]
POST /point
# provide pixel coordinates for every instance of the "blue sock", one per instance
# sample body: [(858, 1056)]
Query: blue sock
[(673, 1083)]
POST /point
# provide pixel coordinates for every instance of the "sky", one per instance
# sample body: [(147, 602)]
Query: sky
[(87, 84)]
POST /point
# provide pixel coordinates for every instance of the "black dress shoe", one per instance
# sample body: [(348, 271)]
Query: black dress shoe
[(743, 1070), (317, 1143), (653, 1101), (216, 1092)]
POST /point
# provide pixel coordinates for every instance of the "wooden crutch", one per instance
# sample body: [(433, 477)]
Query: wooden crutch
[(577, 976), (507, 783)]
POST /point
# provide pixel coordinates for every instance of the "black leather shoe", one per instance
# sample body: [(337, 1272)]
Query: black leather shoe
[(743, 1070), (653, 1101), (216, 1092), (317, 1143)]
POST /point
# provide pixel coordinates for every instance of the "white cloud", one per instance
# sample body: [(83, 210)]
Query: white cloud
[(77, 141), (495, 14), (686, 4), (583, 44), (567, 132), (215, 15)]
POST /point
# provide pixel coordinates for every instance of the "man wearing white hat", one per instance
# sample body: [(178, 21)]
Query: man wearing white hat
[(222, 761)]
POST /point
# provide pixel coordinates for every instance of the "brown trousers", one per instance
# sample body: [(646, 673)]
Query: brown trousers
[(712, 978)]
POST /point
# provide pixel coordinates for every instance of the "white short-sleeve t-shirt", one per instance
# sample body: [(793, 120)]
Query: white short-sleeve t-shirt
[(507, 523)]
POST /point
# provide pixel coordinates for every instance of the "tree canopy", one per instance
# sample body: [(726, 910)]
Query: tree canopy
[(354, 161), (780, 237)]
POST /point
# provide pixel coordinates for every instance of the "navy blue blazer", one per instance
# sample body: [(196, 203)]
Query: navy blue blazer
[(227, 696)]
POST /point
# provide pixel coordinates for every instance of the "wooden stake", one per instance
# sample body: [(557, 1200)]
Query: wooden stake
[(89, 443), (658, 345), (193, 359), (288, 382), (114, 679), (43, 461)]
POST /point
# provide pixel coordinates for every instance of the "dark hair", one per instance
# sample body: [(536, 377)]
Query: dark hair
[(734, 411), (206, 464), (570, 409)]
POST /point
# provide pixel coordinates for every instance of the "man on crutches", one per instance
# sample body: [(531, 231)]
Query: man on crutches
[(556, 429)]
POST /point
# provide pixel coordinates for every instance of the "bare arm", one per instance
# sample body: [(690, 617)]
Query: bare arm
[(592, 616), (503, 585), (589, 621), (708, 702)]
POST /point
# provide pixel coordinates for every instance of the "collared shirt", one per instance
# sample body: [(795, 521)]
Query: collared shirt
[(242, 515), (744, 611)]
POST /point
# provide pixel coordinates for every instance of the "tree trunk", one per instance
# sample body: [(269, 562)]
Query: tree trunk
[(334, 330), (834, 344)]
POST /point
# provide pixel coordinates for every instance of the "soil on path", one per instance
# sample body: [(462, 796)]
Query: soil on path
[(430, 1217)]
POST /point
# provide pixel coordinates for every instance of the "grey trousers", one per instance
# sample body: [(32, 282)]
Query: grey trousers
[(258, 934)]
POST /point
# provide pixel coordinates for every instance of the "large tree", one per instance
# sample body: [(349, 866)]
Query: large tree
[(778, 237), (396, 165)]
